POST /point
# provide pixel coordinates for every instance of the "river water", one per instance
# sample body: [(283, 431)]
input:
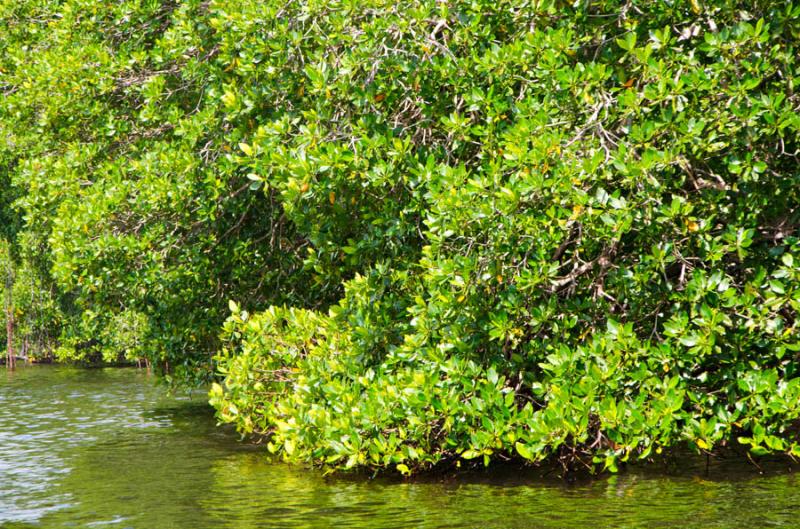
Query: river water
[(108, 448)]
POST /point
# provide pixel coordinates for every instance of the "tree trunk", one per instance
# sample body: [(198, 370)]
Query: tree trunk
[(10, 337), (9, 315)]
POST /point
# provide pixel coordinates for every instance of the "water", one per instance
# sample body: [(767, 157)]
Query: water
[(107, 448)]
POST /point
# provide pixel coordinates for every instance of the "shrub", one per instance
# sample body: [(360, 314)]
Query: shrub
[(607, 205), (484, 229)]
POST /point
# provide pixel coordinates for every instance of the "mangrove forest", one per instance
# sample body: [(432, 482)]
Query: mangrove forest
[(399, 238)]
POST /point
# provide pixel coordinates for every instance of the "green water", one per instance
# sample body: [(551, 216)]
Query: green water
[(108, 448)]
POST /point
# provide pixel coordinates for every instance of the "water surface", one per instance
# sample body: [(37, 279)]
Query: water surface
[(109, 448)]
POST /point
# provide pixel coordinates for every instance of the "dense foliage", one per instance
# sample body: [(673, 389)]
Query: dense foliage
[(462, 229), (121, 132), (34, 308)]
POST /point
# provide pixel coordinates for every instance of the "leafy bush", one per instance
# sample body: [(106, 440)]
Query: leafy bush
[(122, 132), (554, 230), (35, 312), (608, 207)]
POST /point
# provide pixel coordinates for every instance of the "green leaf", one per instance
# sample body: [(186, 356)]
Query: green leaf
[(523, 451), (248, 150)]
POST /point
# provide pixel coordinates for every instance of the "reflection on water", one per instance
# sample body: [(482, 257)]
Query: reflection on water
[(108, 448)]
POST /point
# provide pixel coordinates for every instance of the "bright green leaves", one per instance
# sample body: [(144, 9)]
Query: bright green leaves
[(627, 42), (564, 234), (246, 149), (560, 250), (524, 451)]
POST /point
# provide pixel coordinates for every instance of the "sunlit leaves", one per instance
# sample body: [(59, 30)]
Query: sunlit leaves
[(553, 232)]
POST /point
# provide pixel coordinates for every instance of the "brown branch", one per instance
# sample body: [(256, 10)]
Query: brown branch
[(603, 261)]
